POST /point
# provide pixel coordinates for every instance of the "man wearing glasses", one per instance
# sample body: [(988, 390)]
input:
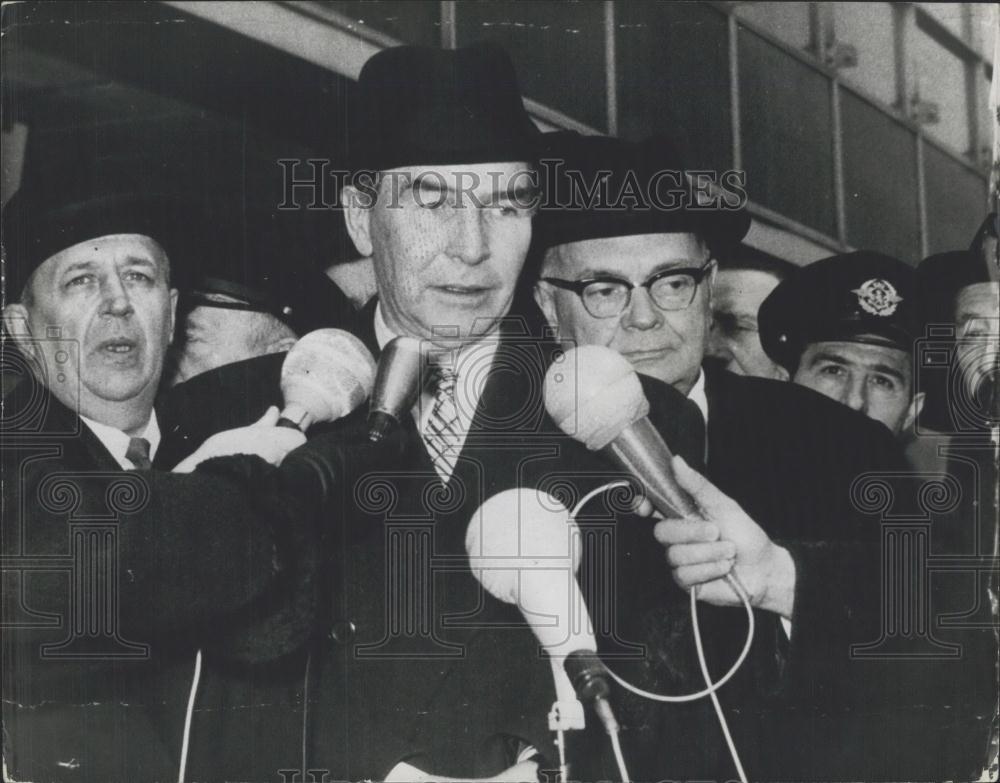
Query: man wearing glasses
[(777, 510)]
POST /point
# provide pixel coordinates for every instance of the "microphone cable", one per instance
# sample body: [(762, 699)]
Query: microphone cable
[(711, 687), (188, 717)]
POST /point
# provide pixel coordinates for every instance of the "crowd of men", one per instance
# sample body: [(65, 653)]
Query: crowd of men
[(194, 591)]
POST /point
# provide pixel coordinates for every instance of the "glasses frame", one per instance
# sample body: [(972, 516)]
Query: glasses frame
[(579, 286)]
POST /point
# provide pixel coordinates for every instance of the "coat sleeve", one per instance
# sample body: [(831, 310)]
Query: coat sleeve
[(175, 554)]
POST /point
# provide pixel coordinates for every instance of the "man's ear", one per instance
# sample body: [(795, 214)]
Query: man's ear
[(545, 299), (913, 411), (357, 217), (15, 322)]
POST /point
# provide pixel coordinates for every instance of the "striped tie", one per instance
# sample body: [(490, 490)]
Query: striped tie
[(138, 453), (442, 432)]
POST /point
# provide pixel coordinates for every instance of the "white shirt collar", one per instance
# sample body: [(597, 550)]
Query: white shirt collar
[(116, 441), (383, 334), (698, 397)]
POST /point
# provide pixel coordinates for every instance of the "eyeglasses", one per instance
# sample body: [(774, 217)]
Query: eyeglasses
[(609, 297)]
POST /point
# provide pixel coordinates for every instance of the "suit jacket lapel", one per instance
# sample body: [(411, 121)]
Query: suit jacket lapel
[(512, 400), (721, 398), (84, 448)]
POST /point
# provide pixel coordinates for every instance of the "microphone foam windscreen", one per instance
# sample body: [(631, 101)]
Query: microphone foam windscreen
[(598, 399), (519, 531), (329, 372)]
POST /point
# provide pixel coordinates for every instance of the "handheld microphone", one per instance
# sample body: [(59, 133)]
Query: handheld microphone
[(327, 374), (397, 385), (523, 549), (603, 407)]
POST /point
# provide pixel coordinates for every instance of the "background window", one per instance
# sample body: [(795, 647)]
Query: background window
[(939, 79), (983, 19), (557, 48), (868, 27), (787, 134), (950, 15), (409, 22), (880, 180), (789, 22), (673, 77), (956, 201)]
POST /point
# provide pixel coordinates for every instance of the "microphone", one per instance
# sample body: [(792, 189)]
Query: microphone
[(327, 374), (602, 405), (397, 385), (523, 548)]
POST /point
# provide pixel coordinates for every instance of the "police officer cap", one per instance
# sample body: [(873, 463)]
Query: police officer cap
[(263, 261), (863, 297)]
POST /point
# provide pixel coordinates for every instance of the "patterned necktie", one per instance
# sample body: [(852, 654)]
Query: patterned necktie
[(441, 433), (138, 453)]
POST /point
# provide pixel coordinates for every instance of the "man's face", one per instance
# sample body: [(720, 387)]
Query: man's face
[(111, 296), (448, 244), (978, 335), (666, 344), (873, 379), (735, 339), (211, 337)]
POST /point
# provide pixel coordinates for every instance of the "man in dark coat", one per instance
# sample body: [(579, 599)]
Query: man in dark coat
[(414, 668), (115, 569), (819, 698)]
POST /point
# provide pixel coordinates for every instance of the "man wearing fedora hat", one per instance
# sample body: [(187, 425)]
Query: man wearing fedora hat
[(845, 326), (777, 511), (90, 309), (414, 669)]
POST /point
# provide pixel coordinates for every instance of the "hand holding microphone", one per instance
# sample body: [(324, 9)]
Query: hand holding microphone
[(702, 550), (706, 533)]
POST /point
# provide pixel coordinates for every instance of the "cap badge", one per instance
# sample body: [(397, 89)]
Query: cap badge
[(878, 297)]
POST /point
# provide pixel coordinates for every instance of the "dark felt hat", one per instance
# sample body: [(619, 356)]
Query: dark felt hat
[(598, 187), (259, 258), (35, 228), (943, 275), (422, 106), (861, 297)]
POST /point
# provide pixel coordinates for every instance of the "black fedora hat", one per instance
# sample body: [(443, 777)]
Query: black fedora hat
[(422, 106), (598, 187), (37, 227), (863, 297)]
